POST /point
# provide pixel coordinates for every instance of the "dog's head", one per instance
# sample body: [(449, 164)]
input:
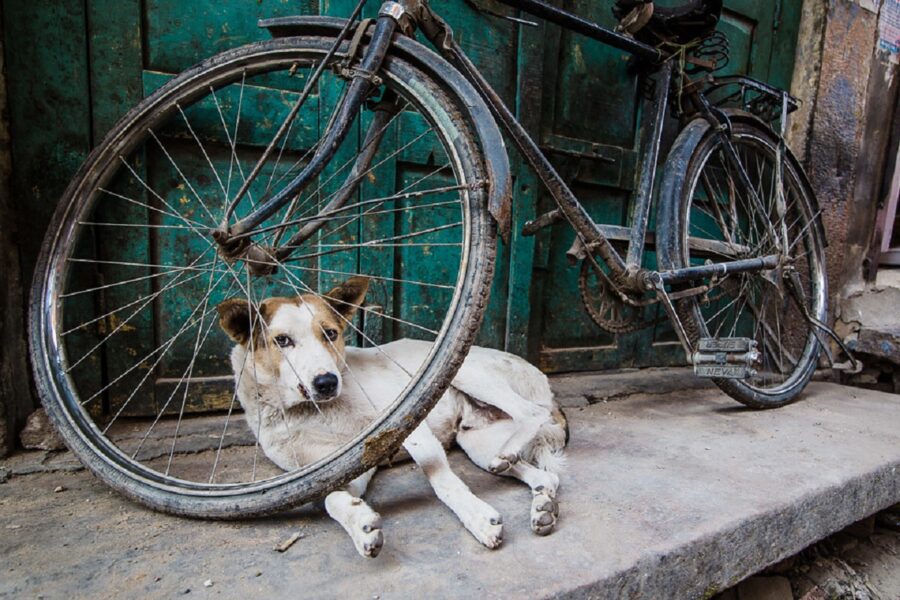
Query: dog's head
[(296, 344)]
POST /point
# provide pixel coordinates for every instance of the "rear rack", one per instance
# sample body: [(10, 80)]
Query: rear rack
[(763, 100)]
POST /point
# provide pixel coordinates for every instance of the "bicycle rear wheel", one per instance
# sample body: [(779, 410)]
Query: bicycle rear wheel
[(129, 358), (712, 218)]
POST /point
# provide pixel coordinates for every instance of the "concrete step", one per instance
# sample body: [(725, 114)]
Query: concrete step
[(673, 495)]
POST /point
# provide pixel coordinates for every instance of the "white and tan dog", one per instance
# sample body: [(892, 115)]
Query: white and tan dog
[(305, 394)]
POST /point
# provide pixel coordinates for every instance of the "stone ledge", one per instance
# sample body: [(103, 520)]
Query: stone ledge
[(678, 495)]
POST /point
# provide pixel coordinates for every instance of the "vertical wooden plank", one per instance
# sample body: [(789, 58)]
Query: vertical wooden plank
[(50, 130), (784, 48), (16, 400), (527, 190), (331, 91), (49, 109), (115, 61)]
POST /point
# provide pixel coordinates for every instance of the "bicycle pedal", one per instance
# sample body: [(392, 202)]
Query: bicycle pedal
[(726, 358)]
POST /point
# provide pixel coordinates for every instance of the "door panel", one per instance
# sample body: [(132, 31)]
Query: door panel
[(576, 96)]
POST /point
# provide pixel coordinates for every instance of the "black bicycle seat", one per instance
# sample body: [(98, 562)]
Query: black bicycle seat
[(678, 24)]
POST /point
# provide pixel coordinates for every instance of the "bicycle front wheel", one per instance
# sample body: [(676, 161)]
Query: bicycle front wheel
[(715, 219), (130, 360)]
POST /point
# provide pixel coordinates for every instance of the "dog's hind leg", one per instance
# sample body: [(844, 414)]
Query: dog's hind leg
[(356, 517), (482, 445), (476, 515), (528, 416)]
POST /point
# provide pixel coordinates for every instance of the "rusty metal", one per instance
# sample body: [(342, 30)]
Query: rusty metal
[(747, 265), (361, 86), (653, 129), (470, 102)]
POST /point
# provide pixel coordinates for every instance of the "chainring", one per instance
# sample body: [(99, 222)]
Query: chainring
[(604, 306)]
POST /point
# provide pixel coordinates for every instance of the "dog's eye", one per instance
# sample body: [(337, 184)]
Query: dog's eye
[(284, 341), (331, 334)]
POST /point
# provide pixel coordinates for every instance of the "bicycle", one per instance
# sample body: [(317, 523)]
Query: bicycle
[(220, 183)]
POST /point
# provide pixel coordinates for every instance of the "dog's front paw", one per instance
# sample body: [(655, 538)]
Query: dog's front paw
[(486, 525), (544, 512), (367, 536), (364, 526)]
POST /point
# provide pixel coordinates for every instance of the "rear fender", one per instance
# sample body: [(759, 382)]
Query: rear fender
[(676, 167)]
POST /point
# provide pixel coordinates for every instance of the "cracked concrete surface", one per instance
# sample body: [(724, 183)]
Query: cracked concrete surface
[(673, 495)]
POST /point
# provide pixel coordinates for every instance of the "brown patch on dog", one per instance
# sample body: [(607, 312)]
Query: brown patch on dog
[(237, 317), (349, 296), (560, 417), (331, 312)]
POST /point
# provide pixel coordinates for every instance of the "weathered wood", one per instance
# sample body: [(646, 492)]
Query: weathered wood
[(49, 136), (97, 59), (16, 400)]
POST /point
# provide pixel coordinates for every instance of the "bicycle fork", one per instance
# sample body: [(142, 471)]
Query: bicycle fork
[(234, 241)]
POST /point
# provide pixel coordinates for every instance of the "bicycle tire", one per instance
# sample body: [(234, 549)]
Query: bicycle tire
[(380, 439), (683, 217)]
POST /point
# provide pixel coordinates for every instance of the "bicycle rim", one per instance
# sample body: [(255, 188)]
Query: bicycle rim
[(761, 306), (130, 359)]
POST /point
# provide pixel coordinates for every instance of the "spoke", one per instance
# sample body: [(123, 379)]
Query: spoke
[(186, 325), (121, 263), (237, 124), (171, 342), (366, 275), (146, 302), (175, 215), (237, 384), (722, 310), (129, 305), (714, 201), (232, 142), (136, 225), (355, 205), (134, 280), (296, 108), (164, 346), (190, 370), (153, 192), (802, 234), (180, 173), (281, 151), (357, 179), (384, 242), (369, 310), (202, 148)]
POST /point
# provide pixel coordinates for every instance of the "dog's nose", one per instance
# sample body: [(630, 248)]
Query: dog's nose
[(325, 384)]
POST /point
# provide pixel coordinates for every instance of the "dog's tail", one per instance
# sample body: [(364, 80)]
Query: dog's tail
[(547, 449)]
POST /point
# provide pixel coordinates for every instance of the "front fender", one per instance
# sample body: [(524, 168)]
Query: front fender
[(452, 81)]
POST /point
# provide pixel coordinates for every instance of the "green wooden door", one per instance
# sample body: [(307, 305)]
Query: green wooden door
[(96, 59), (591, 129)]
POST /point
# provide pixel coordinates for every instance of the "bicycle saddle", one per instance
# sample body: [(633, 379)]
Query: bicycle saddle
[(678, 24)]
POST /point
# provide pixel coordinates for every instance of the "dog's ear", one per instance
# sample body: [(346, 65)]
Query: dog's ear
[(234, 319), (349, 296)]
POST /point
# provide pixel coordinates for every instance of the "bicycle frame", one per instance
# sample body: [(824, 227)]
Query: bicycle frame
[(627, 274)]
